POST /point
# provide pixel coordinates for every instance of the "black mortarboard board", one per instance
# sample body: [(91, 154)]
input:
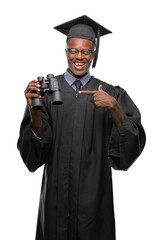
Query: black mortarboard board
[(84, 27)]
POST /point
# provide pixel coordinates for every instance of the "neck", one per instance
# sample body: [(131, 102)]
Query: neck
[(77, 76)]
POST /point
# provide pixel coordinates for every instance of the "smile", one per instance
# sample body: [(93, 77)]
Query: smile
[(79, 65)]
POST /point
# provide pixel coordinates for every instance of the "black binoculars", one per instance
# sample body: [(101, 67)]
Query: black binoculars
[(51, 86)]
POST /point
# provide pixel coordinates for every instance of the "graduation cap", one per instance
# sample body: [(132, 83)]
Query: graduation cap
[(84, 27)]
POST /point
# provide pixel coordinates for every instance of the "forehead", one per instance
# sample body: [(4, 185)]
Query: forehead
[(80, 43)]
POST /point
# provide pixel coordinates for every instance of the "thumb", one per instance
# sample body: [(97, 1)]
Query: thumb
[(100, 88)]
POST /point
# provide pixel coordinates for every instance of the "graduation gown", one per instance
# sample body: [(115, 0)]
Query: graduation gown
[(80, 143)]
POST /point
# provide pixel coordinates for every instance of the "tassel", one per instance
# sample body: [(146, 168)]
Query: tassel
[(97, 49)]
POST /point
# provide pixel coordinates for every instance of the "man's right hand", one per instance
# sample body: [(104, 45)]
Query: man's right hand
[(35, 114), (29, 94)]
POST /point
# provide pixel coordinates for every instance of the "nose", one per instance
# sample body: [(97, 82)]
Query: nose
[(79, 55)]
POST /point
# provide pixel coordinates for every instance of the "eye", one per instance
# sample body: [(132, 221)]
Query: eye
[(72, 50), (86, 51)]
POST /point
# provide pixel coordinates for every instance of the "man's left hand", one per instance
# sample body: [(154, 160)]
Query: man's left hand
[(100, 98)]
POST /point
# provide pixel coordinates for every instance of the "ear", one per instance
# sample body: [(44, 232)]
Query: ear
[(66, 52), (66, 48)]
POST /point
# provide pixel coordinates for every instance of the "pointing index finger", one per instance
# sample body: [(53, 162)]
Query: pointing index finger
[(87, 92)]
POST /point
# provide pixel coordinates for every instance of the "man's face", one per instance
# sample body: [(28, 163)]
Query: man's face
[(79, 63)]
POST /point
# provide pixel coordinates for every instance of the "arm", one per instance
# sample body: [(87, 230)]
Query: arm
[(34, 152), (102, 99), (34, 114), (127, 138), (125, 148)]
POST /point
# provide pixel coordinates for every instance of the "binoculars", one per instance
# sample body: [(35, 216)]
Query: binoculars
[(51, 86)]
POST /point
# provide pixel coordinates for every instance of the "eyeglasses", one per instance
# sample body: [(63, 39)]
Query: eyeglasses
[(83, 51)]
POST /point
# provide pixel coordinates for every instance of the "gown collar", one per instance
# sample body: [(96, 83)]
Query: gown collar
[(70, 79)]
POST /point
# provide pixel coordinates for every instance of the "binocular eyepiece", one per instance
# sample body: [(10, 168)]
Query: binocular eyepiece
[(50, 85)]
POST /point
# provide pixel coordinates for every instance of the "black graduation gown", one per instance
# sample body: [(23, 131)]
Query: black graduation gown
[(80, 143)]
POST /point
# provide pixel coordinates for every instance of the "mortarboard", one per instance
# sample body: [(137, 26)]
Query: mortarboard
[(84, 27)]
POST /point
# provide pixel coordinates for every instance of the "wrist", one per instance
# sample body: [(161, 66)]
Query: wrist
[(36, 121), (112, 105)]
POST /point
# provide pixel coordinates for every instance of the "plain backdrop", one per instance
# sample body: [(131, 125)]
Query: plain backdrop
[(132, 57)]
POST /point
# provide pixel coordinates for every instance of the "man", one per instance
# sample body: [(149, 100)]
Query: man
[(96, 128)]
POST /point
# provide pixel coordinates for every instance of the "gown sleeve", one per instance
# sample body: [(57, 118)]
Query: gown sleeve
[(34, 151), (124, 148)]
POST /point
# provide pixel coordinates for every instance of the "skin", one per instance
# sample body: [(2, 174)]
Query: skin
[(78, 65), (101, 99), (35, 114), (72, 59)]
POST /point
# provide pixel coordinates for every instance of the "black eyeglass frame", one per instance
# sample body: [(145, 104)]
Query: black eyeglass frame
[(82, 51)]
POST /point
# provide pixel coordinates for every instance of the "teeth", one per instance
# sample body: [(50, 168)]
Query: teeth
[(80, 64)]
